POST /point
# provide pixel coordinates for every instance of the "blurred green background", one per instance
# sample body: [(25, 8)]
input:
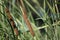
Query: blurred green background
[(43, 15)]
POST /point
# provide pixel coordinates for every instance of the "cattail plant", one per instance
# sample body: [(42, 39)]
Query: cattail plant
[(29, 20), (26, 18)]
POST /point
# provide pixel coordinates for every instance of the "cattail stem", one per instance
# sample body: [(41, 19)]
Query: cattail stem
[(11, 21), (26, 18)]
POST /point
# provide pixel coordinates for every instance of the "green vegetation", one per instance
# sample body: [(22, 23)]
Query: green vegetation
[(46, 10)]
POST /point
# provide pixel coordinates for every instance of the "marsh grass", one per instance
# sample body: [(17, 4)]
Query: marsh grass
[(52, 29)]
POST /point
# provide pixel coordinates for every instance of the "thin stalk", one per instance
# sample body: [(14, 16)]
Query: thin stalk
[(24, 12), (11, 22)]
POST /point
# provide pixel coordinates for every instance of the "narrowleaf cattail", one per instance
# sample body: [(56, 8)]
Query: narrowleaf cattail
[(11, 21), (24, 13)]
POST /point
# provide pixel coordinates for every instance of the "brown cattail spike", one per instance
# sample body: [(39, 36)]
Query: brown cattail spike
[(11, 21), (26, 18)]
